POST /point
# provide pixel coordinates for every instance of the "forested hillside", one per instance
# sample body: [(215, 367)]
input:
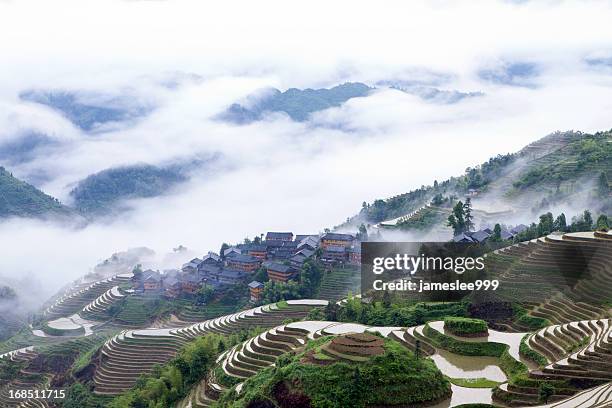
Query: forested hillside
[(85, 110), (20, 199), (101, 192), (297, 103), (563, 168)]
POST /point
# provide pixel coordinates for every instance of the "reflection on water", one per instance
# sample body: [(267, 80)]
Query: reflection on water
[(511, 339), (462, 395), (456, 366)]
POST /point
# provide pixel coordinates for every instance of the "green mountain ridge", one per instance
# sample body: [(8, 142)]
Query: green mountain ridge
[(20, 199), (561, 169)]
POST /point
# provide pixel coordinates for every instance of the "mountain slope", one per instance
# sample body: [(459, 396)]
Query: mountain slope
[(20, 199), (297, 103), (101, 192), (86, 110), (564, 170)]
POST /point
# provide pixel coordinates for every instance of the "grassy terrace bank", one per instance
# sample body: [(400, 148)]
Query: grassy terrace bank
[(349, 378)]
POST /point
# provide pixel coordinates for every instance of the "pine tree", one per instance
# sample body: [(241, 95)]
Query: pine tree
[(469, 223), (588, 220), (560, 223)]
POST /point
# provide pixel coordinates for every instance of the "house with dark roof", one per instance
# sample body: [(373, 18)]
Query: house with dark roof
[(506, 235), (231, 276), (257, 250), (279, 272), (279, 236), (308, 242), (210, 274), (462, 238), (151, 281), (242, 262), (300, 257), (172, 286), (231, 252), (191, 283), (256, 291), (211, 258), (281, 249), (336, 239), (191, 266), (479, 236), (334, 254)]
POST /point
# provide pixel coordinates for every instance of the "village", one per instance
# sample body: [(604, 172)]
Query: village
[(281, 255)]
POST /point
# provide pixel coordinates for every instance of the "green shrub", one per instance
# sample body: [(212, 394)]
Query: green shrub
[(533, 322), (465, 326), (545, 391), (463, 347)]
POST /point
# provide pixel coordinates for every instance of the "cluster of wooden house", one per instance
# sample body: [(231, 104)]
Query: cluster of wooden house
[(281, 254)]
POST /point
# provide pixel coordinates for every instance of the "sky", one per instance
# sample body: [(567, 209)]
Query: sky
[(541, 66)]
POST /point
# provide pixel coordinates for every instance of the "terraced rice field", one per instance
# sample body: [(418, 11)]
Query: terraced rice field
[(200, 313), (337, 283), (572, 273), (34, 374), (97, 309), (244, 360), (79, 297), (134, 352), (25, 380)]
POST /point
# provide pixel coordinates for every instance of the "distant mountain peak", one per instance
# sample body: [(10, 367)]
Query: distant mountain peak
[(87, 110), (298, 104)]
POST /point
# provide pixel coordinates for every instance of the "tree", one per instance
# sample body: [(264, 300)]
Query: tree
[(545, 226), (560, 223), (588, 220), (456, 220), (496, 233), (437, 199), (331, 311), (204, 294), (602, 223), (469, 218), (545, 391)]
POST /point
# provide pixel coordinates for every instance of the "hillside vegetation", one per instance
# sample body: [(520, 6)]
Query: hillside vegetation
[(297, 103), (315, 378), (557, 169), (100, 192), (20, 199), (85, 110)]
